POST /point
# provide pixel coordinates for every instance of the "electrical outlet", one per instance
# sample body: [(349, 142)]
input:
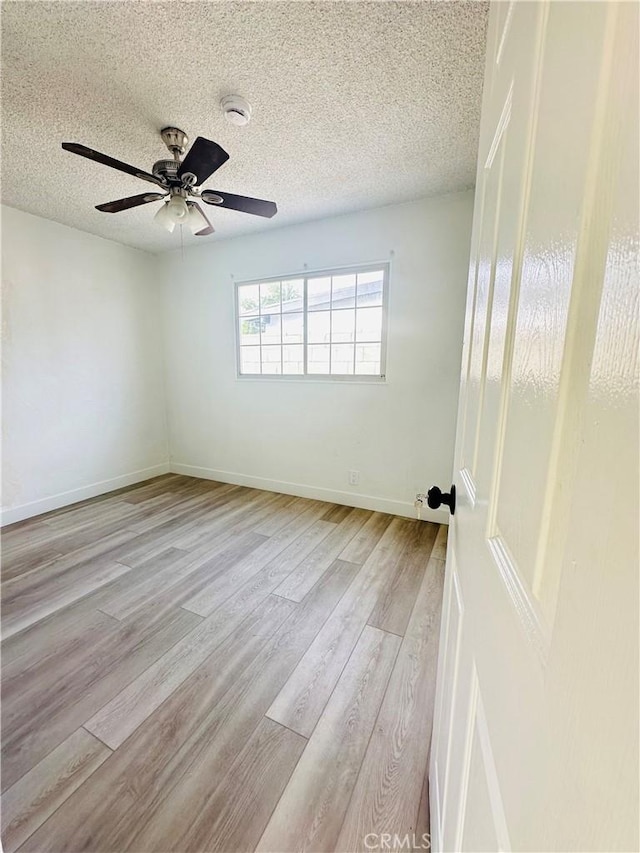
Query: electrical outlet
[(354, 478)]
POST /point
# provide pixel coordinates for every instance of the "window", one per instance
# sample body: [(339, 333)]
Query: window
[(328, 323)]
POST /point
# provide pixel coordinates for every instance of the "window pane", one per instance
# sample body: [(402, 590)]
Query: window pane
[(293, 359), (248, 299), (293, 295), (318, 358), (250, 330), (319, 293), (370, 288), (342, 358), (342, 326), (319, 328), (341, 333), (271, 329), (249, 359), (272, 359), (369, 324), (293, 328), (270, 298), (368, 359), (343, 291)]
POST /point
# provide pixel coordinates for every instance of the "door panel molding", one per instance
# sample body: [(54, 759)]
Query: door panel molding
[(516, 270), (482, 749), (582, 322), (469, 484), (450, 677), (505, 32), (472, 707), (530, 617)]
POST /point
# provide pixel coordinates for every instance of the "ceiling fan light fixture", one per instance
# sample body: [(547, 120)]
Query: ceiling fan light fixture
[(164, 219), (195, 220), (177, 209)]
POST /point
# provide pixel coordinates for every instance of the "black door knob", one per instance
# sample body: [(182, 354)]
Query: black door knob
[(436, 497)]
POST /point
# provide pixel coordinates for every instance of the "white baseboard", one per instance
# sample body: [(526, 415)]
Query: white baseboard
[(10, 515), (302, 490)]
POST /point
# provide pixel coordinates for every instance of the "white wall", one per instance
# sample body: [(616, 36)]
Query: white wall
[(83, 398), (303, 437)]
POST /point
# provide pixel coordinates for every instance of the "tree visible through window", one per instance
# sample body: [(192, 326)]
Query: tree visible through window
[(325, 324)]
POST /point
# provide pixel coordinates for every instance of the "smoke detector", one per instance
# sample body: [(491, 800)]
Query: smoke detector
[(236, 110)]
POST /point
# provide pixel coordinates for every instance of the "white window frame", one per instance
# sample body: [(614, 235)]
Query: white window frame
[(318, 377)]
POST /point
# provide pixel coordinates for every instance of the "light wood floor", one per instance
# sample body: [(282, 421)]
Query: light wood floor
[(193, 666)]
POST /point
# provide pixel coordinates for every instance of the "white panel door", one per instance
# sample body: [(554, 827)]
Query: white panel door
[(535, 743)]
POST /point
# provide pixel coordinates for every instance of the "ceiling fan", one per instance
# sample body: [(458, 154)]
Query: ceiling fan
[(179, 179)]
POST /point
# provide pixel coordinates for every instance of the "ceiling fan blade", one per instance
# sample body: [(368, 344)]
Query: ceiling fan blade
[(257, 206), (131, 201), (203, 159), (209, 229), (90, 154)]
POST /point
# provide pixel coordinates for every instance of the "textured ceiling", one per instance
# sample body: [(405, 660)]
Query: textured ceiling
[(355, 104)]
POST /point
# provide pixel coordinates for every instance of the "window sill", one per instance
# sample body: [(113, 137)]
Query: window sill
[(342, 380)]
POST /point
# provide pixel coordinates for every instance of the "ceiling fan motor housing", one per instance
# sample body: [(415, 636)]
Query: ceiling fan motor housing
[(175, 139), (167, 169)]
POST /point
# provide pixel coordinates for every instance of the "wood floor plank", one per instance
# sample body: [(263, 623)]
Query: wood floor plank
[(228, 726), (150, 543), (303, 545), (23, 559), (131, 707), (440, 546), (216, 555), (28, 803), (36, 721), (239, 809), (89, 523), (310, 811), (366, 539), (206, 601), (218, 499), (58, 636), (75, 543), (305, 575), (105, 548), (43, 599), (337, 513), (94, 514), (158, 485), (389, 788), (291, 508), (245, 505), (192, 582), (127, 791), (396, 602), (16, 535), (302, 699), (119, 718), (183, 569), (139, 584)]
